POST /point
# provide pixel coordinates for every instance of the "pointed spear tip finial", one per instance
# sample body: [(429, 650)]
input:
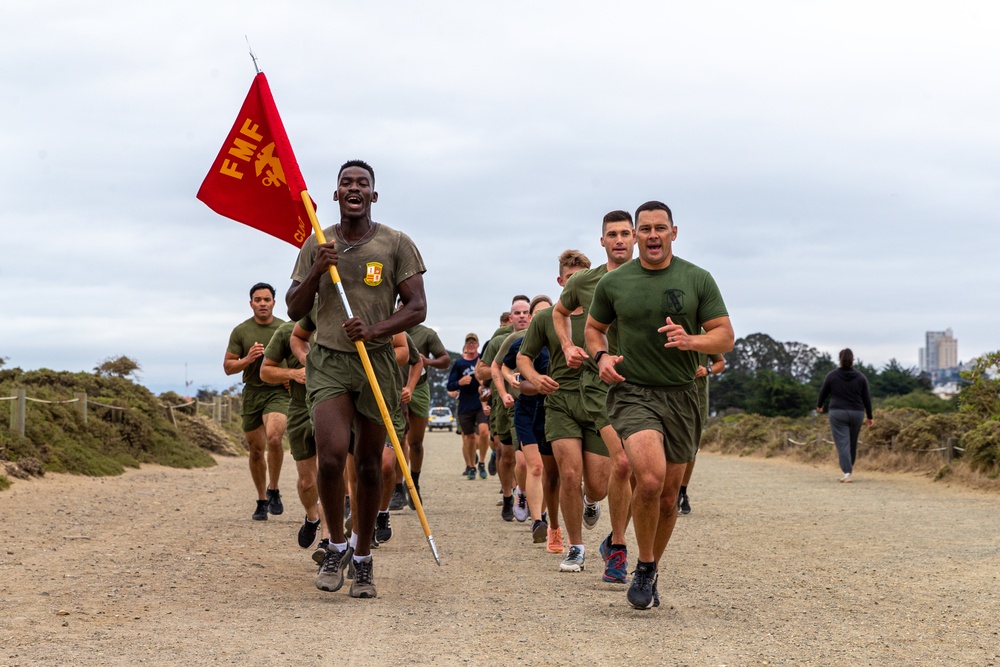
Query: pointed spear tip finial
[(252, 54)]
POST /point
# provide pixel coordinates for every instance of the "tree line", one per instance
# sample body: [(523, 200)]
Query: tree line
[(782, 379)]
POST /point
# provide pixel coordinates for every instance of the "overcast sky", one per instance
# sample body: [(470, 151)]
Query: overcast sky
[(834, 165)]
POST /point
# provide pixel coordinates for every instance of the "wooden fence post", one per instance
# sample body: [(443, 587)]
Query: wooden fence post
[(17, 413), (81, 404), (949, 448), (217, 409)]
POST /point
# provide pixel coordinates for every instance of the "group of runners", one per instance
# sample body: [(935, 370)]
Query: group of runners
[(595, 395), (598, 394)]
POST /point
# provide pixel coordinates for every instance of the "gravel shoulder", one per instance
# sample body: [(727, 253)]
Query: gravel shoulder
[(778, 564)]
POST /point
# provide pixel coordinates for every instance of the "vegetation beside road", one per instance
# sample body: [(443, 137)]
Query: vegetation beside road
[(137, 429)]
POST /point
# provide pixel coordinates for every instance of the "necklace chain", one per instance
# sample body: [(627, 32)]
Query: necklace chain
[(351, 246)]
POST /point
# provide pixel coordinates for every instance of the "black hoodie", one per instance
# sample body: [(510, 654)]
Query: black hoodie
[(847, 390)]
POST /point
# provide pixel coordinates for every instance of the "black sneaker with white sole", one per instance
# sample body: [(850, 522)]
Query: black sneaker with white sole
[(260, 514), (274, 505), (641, 593), (383, 530), (307, 533)]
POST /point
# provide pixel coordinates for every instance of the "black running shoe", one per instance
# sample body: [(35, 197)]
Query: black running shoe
[(492, 465), (260, 514), (274, 505), (471, 474), (383, 531), (319, 553), (640, 592), (307, 533), (398, 500), (539, 532), (683, 504), (507, 513)]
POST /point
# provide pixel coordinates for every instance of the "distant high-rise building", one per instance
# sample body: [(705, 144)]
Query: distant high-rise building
[(940, 352)]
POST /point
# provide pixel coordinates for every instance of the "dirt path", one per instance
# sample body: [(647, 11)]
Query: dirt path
[(778, 564)]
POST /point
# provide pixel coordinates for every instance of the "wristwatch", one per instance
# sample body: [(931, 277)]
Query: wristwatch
[(708, 369), (600, 353)]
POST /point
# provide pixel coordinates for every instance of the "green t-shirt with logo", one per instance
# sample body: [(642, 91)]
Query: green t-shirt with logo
[(370, 272), (279, 349), (428, 344), (641, 300), (243, 338), (542, 333)]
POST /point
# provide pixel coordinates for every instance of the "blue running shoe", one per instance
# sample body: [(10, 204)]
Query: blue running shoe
[(615, 562)]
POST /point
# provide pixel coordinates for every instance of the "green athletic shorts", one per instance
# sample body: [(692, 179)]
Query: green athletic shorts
[(675, 412), (331, 373), (504, 423), (300, 431), (420, 402), (594, 393), (259, 401), (566, 418)]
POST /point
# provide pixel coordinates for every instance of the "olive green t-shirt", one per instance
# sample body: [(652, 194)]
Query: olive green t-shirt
[(370, 272), (279, 349), (412, 360), (579, 291), (542, 333), (502, 353), (641, 300), (243, 338), (493, 344), (428, 344)]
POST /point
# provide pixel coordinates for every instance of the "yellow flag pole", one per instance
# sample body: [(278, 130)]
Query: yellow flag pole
[(366, 362)]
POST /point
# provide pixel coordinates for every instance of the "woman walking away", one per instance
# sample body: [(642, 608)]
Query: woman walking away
[(850, 403)]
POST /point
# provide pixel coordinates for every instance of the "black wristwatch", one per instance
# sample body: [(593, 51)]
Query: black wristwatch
[(600, 353), (708, 369)]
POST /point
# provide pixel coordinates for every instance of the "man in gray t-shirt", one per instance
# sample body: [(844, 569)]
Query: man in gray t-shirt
[(377, 265)]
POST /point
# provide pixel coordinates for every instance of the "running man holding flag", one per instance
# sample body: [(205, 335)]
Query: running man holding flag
[(377, 264)]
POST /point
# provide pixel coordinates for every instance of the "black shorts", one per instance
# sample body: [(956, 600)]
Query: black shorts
[(469, 421)]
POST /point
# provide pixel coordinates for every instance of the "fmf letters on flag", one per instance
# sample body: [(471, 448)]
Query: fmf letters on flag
[(255, 178)]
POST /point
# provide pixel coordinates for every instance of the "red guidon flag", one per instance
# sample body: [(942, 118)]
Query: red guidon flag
[(255, 178)]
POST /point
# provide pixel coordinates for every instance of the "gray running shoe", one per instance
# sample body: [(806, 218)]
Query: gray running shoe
[(331, 573), (521, 507), (591, 514), (363, 586), (383, 531), (573, 561)]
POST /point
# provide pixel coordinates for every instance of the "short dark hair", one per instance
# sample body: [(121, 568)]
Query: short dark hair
[(541, 298), (616, 216), (846, 359), (260, 286), (357, 163), (654, 205), (520, 297)]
